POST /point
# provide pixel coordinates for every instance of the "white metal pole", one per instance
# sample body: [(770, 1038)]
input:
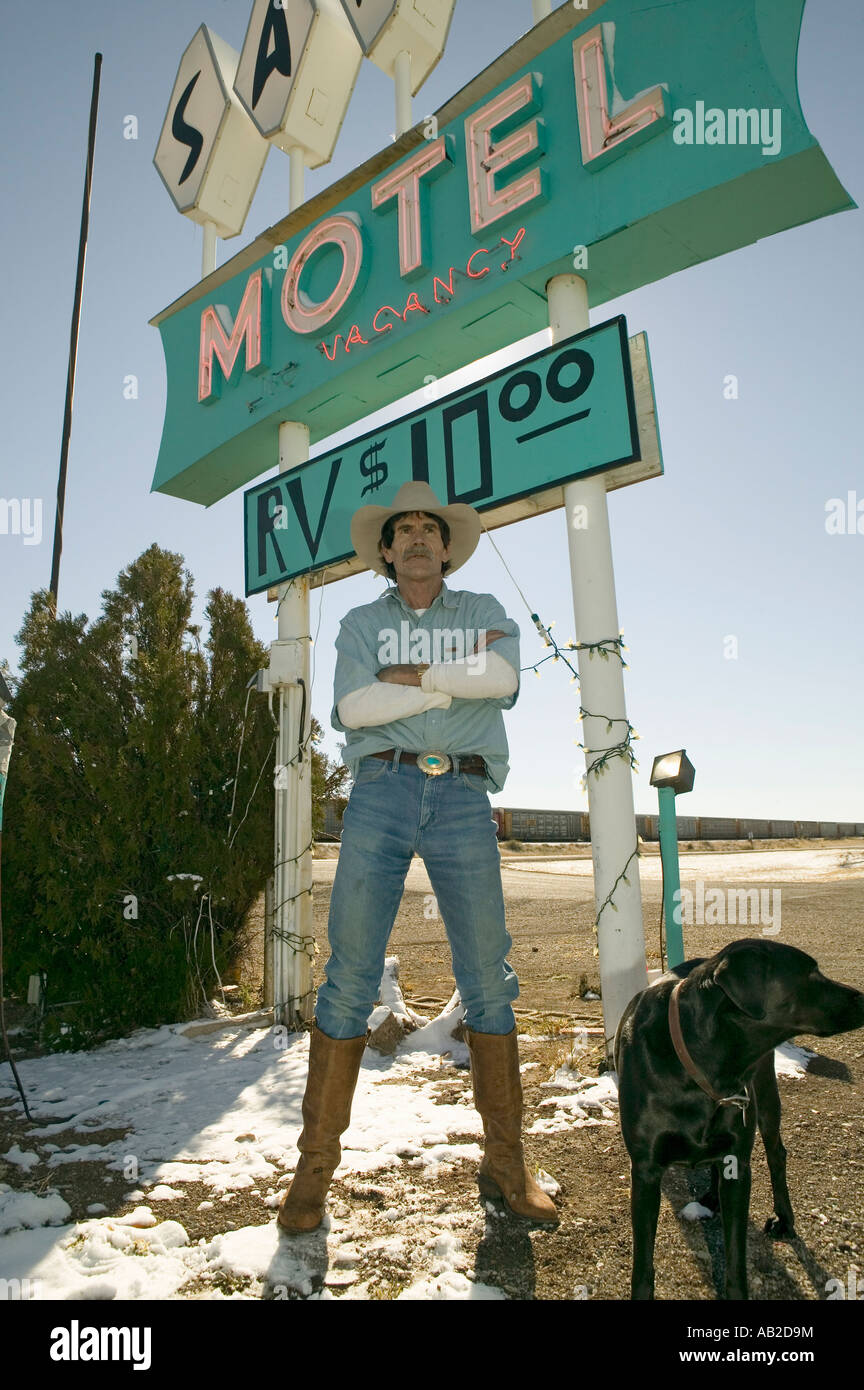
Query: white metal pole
[(403, 92), (541, 9), (296, 177), (268, 944), (621, 938), (292, 916), (208, 254)]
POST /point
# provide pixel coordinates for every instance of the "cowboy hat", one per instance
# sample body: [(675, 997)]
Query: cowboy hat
[(367, 522)]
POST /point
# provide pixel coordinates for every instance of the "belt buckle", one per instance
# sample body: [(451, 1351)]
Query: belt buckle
[(433, 764)]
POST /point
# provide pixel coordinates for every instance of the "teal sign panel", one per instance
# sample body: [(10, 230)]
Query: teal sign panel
[(562, 413), (625, 143)]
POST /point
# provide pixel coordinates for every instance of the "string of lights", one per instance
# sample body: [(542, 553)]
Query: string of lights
[(604, 647), (624, 749)]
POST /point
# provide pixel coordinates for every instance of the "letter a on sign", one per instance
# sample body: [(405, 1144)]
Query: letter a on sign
[(296, 73), (270, 59)]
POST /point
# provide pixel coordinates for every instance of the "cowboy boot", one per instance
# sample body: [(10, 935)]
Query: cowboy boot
[(334, 1064), (498, 1098)]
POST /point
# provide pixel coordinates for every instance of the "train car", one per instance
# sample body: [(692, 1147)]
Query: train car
[(687, 828), (536, 825), (806, 829), (782, 829), (715, 828), (518, 823), (647, 827)]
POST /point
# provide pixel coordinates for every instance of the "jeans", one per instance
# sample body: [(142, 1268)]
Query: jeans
[(393, 811)]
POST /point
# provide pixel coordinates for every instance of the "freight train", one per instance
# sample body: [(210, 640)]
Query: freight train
[(552, 826), (517, 824)]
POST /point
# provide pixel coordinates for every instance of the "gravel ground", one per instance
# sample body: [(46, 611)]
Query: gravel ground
[(588, 1255)]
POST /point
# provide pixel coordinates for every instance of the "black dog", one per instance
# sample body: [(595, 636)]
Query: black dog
[(696, 1099)]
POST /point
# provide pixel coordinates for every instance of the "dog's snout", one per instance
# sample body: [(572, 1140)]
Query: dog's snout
[(836, 1008)]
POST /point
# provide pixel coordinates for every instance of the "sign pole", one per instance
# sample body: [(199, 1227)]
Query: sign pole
[(296, 177), (621, 938), (668, 832), (292, 910), (402, 76), (208, 252)]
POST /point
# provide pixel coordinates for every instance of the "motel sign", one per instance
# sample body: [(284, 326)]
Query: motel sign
[(593, 143)]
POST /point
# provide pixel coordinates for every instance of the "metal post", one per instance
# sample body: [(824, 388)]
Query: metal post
[(292, 911), (208, 252), (267, 999), (73, 335), (668, 831), (7, 738), (296, 177), (621, 939), (402, 76)]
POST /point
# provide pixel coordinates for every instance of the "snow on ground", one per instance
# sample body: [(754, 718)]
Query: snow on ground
[(225, 1110), (590, 1101), (791, 1060), (736, 866), (694, 1211)]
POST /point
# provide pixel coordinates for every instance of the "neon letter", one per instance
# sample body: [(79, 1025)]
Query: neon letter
[(355, 336), (478, 274), (298, 311), (487, 159), (404, 184), (413, 306), (385, 309), (331, 357), (515, 243), (603, 132), (217, 336), (445, 285)]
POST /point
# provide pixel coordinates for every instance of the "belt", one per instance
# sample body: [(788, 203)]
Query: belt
[(468, 762)]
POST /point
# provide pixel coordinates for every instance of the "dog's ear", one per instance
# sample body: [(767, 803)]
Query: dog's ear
[(742, 976)]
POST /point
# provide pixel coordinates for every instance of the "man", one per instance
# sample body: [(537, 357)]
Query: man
[(425, 739)]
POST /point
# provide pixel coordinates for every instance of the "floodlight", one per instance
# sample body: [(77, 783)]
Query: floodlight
[(673, 770), (671, 774)]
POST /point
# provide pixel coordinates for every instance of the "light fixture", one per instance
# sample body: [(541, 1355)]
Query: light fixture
[(671, 774), (673, 770)]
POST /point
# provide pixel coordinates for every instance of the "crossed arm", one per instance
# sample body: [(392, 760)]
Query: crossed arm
[(402, 690), (413, 674)]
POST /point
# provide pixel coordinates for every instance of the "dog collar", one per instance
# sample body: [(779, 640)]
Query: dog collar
[(692, 1070)]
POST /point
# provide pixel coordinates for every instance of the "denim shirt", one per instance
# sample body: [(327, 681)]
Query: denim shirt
[(468, 726)]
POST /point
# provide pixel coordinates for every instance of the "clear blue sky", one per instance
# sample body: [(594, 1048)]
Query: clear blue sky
[(731, 542)]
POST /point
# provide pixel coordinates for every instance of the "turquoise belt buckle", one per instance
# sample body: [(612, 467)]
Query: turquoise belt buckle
[(433, 764)]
